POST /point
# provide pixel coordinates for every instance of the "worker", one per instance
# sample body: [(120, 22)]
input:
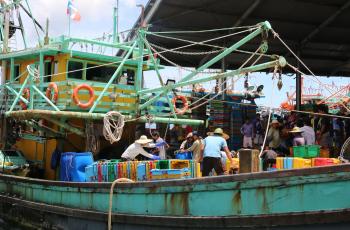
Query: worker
[(273, 135), (161, 145), (188, 142), (137, 148), (195, 147), (247, 131), (298, 139), (268, 158), (211, 153)]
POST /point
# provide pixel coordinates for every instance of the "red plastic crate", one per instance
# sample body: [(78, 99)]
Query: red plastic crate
[(323, 161)]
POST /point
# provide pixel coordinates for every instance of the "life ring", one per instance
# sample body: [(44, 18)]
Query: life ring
[(26, 95), (52, 86), (76, 99), (184, 102)]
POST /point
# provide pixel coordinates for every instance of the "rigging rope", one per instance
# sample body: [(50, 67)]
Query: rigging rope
[(306, 67), (270, 113), (203, 31), (113, 124)]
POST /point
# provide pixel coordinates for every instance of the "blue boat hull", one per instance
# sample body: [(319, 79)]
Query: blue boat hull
[(314, 198)]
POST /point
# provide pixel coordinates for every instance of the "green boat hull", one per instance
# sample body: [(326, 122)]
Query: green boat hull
[(313, 198)]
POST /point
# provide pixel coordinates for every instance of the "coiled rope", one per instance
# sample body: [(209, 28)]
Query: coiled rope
[(113, 125)]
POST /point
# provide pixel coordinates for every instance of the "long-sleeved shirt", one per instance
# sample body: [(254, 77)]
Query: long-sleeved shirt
[(196, 150), (134, 150), (308, 134), (247, 130), (274, 138)]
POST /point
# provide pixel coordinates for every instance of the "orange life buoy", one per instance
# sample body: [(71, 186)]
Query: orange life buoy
[(52, 86), (184, 102), (26, 95), (76, 99)]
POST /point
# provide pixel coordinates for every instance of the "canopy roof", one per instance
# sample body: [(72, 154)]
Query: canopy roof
[(317, 29)]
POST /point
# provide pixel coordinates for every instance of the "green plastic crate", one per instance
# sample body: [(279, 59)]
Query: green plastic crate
[(162, 164), (313, 151), (300, 151)]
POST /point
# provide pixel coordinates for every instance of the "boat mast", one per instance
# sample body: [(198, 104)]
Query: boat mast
[(6, 31), (116, 22)]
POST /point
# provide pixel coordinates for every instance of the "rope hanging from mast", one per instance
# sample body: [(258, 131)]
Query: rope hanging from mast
[(113, 125)]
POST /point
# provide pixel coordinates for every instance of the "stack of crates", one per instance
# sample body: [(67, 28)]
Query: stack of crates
[(306, 151), (108, 171)]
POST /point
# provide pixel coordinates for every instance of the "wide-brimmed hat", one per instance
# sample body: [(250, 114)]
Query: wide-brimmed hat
[(296, 130), (189, 135), (220, 132), (143, 140), (274, 122)]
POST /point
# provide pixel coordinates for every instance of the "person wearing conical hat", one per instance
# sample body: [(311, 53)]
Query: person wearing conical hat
[(298, 139), (137, 148), (211, 153)]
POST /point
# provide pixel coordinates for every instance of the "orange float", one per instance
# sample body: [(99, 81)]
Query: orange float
[(26, 95), (184, 102), (76, 98), (52, 86)]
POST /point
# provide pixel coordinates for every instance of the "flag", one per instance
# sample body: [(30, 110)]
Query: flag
[(72, 11)]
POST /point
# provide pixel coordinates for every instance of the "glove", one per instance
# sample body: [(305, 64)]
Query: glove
[(154, 157)]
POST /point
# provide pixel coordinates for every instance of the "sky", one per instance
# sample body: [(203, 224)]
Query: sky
[(97, 19)]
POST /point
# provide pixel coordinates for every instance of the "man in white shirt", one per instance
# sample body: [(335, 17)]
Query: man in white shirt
[(161, 145), (137, 148)]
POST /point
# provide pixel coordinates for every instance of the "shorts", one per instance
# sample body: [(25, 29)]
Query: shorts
[(210, 163), (258, 140), (247, 142)]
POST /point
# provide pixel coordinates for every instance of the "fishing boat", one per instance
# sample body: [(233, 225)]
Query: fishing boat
[(58, 95)]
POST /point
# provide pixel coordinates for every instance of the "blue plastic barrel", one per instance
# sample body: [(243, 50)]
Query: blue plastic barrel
[(66, 165), (183, 155), (73, 166)]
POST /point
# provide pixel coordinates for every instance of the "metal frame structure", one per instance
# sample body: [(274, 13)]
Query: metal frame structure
[(136, 51)]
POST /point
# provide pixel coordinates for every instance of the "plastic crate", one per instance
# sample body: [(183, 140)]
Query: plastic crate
[(162, 164), (300, 151), (159, 174), (288, 162), (322, 161), (175, 173), (299, 163), (179, 164), (141, 172), (313, 151), (279, 162)]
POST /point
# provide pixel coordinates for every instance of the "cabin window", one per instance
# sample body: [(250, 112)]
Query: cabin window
[(101, 74), (77, 67), (55, 67), (16, 72), (127, 77), (47, 71)]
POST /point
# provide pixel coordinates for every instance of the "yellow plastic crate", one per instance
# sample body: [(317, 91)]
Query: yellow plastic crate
[(299, 163)]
